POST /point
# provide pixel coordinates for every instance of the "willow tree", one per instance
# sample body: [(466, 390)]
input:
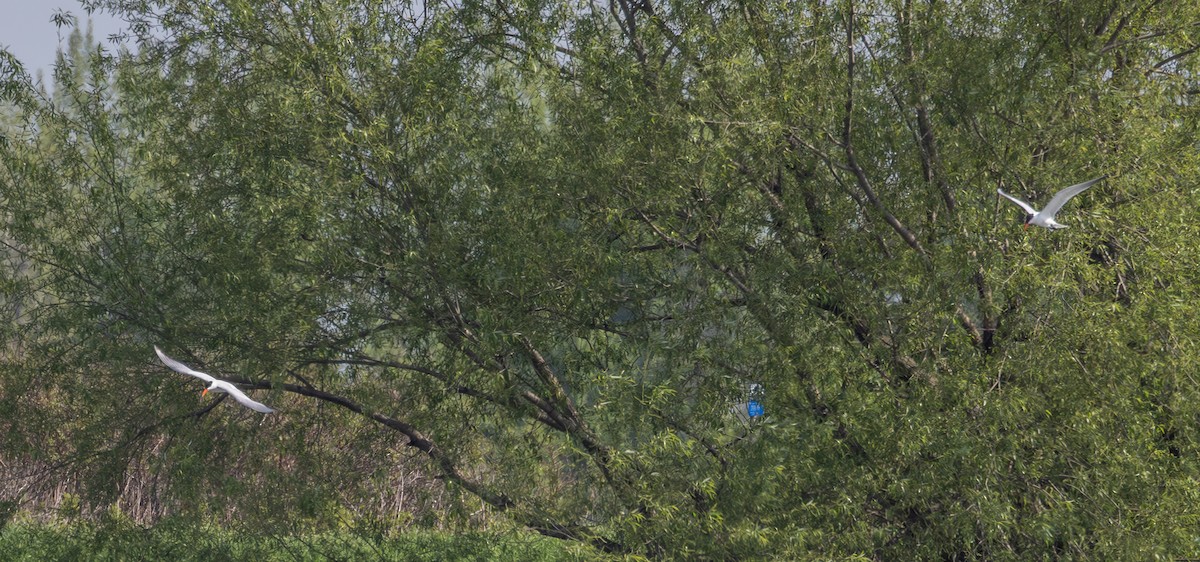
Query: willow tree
[(546, 247)]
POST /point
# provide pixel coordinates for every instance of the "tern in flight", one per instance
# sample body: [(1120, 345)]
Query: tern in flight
[(215, 384), (1045, 217)]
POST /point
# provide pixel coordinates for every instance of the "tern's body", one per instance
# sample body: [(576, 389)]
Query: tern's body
[(215, 384), (1045, 217)]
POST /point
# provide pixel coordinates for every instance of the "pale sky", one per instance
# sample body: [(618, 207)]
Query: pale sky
[(27, 33)]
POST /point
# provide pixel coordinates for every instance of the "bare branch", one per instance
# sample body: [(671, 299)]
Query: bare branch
[(852, 159), (416, 438), (1173, 58)]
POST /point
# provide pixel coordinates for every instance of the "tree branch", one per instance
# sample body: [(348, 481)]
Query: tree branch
[(930, 161), (574, 423), (848, 147)]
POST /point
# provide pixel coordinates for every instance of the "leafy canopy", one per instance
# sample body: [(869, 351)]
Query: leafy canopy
[(544, 249)]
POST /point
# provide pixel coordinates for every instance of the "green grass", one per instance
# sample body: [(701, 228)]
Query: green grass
[(187, 542)]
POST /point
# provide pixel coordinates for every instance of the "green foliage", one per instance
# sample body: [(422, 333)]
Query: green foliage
[(171, 540), (537, 251)]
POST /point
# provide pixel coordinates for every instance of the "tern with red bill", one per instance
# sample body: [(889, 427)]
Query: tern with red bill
[(214, 384), (1045, 217)]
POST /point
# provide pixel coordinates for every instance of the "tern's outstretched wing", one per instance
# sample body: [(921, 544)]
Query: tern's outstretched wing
[(243, 399), (181, 368), (1022, 204), (1065, 195)]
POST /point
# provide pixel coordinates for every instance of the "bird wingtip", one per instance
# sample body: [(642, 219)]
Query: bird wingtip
[(260, 407)]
